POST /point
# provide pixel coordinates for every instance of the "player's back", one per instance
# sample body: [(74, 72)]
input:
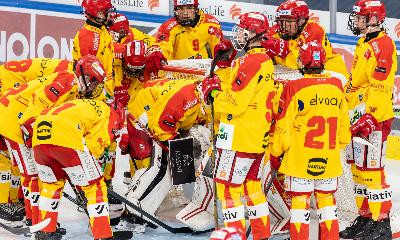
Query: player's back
[(68, 124), (313, 110), (15, 73)]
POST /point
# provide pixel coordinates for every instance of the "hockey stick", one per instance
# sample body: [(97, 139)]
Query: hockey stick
[(187, 70), (149, 216), (213, 139)]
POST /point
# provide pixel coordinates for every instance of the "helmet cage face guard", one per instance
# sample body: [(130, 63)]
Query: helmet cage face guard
[(368, 14), (89, 87), (240, 38), (186, 22), (281, 20)]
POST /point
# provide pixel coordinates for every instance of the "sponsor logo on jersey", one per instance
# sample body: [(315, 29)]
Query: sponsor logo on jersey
[(316, 166), (44, 130), (317, 100)]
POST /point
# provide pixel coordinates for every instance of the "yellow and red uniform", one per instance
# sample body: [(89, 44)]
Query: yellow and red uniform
[(68, 144), (178, 42), (313, 32), (14, 73), (95, 40), (245, 108), (49, 90), (370, 91), (312, 126)]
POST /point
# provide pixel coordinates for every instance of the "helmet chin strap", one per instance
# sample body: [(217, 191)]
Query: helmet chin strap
[(246, 47)]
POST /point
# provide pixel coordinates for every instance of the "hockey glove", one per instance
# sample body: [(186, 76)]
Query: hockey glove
[(208, 85), (121, 95), (275, 47), (27, 131), (124, 144), (275, 162), (154, 59), (364, 126), (225, 47)]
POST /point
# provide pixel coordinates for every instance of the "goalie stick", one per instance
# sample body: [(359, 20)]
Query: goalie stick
[(151, 217)]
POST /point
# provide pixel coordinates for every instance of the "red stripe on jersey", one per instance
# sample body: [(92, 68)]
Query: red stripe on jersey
[(177, 105), (62, 66), (293, 87), (88, 42), (383, 49), (61, 85), (247, 70)]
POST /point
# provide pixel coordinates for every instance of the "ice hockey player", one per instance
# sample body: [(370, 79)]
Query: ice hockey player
[(369, 96), (190, 34), (246, 97), (13, 74), (94, 38), (312, 126), (69, 144), (295, 29), (164, 110), (19, 105)]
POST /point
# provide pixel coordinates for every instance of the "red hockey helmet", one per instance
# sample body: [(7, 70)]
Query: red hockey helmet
[(134, 60), (186, 2), (367, 8), (293, 9), (312, 55), (228, 233), (370, 8), (93, 7), (247, 23), (118, 26), (91, 76)]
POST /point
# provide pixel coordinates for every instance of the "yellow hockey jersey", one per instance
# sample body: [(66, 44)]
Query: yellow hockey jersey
[(96, 40), (313, 32), (370, 87), (312, 126), (178, 42), (66, 126), (246, 102), (15, 73), (50, 90)]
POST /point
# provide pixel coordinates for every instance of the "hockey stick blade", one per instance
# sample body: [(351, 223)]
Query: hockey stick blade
[(149, 216), (363, 142), (39, 226), (15, 231)]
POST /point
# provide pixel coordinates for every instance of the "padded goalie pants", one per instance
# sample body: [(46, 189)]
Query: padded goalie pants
[(238, 174), (300, 191), (55, 165), (373, 194)]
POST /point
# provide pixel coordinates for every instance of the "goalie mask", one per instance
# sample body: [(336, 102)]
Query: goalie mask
[(91, 76), (186, 12), (134, 59), (363, 11), (118, 26), (291, 17), (250, 27), (98, 10)]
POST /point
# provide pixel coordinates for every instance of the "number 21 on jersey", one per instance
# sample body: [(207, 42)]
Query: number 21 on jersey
[(319, 125)]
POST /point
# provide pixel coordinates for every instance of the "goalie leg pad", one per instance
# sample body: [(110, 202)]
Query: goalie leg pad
[(198, 214), (150, 186)]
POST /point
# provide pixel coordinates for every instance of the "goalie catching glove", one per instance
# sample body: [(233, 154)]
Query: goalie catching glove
[(364, 126), (225, 47)]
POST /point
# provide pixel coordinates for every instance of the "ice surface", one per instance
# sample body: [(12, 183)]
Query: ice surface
[(77, 224)]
